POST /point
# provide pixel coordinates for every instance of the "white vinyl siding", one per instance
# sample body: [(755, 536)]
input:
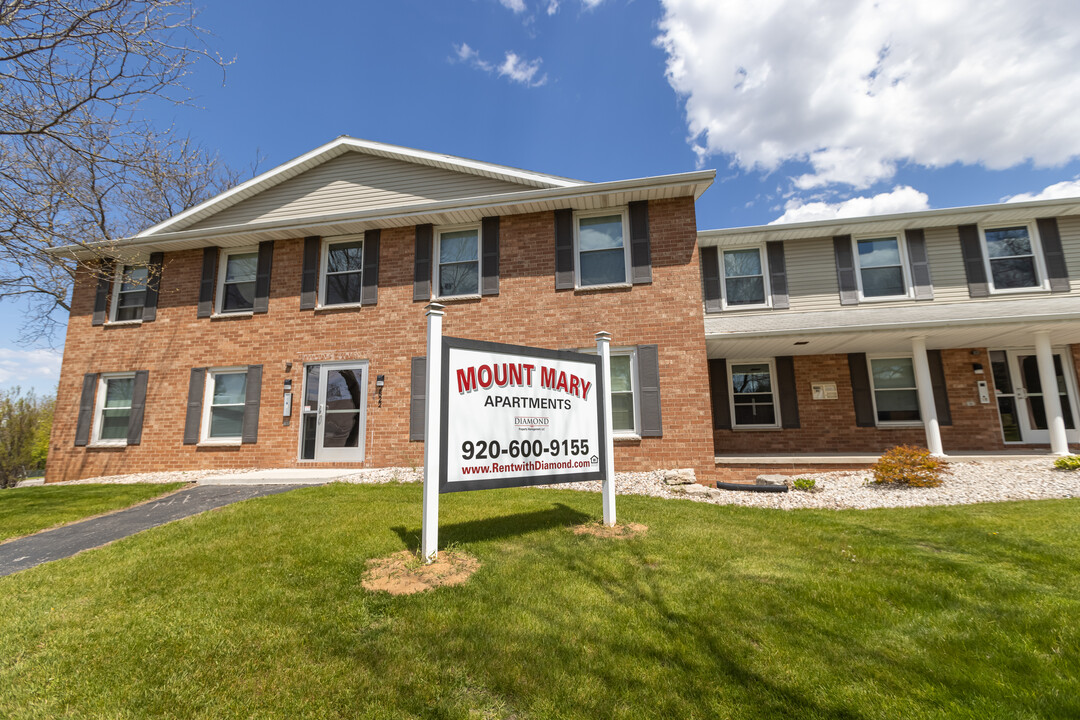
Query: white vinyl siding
[(354, 182), (1069, 229)]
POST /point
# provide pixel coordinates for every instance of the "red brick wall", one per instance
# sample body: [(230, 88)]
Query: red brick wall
[(527, 311)]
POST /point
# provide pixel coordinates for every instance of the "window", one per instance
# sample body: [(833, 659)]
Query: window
[(896, 399), (113, 411), (602, 257), (223, 405), (743, 276), (881, 267), (1011, 258), (343, 264), (457, 271), (753, 402), (236, 289), (129, 293), (625, 407)]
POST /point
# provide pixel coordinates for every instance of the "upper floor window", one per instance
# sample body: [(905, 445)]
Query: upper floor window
[(743, 275), (113, 412), (881, 269), (129, 293), (1011, 257), (753, 399), (457, 271), (342, 272), (236, 280), (602, 255), (223, 405), (896, 399)]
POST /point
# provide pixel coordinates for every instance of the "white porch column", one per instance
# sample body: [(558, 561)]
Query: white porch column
[(1055, 421), (926, 397)]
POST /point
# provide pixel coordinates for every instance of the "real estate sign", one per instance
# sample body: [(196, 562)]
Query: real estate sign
[(515, 416)]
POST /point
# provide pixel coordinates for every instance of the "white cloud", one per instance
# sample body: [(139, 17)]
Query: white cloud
[(1065, 189), (522, 71), (517, 6), (855, 88), (38, 369), (901, 199), (468, 55), (553, 7)]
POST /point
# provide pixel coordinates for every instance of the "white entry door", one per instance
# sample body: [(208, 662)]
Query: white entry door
[(1020, 395), (334, 412)]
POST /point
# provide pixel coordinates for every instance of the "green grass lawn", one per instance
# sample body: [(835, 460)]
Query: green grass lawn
[(256, 610), (29, 509)]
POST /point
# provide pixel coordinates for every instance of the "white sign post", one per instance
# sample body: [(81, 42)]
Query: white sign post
[(603, 349), (429, 530)]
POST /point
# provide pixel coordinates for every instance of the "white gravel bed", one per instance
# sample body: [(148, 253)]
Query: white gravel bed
[(165, 476)]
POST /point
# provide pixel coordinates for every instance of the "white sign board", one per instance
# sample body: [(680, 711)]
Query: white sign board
[(514, 416)]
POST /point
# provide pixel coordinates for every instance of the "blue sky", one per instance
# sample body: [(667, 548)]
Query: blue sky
[(805, 110)]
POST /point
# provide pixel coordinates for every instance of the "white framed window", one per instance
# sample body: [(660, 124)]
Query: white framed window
[(342, 271), (625, 401), (1013, 258), (753, 394), (457, 261), (602, 248), (881, 267), (744, 281), (112, 410), (896, 398), (225, 395), (129, 293), (237, 271)]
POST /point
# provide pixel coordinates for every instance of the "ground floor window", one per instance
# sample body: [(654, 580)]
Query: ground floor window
[(226, 395), (896, 399), (753, 399), (114, 396)]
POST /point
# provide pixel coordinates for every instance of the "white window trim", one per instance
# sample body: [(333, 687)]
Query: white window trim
[(324, 262), (208, 397), (771, 362), (223, 263), (99, 405), (874, 391), (634, 434), (763, 256), (118, 279), (622, 212), (905, 268), (436, 265), (1043, 283)]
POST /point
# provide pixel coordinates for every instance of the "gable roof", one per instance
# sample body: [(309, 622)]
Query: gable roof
[(513, 178)]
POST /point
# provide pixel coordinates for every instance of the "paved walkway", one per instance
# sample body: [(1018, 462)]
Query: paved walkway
[(65, 541)]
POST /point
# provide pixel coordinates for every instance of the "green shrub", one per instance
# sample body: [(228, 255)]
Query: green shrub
[(1069, 462), (909, 465), (804, 484)]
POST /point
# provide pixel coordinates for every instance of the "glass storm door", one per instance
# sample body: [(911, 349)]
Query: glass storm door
[(1020, 396), (334, 412)]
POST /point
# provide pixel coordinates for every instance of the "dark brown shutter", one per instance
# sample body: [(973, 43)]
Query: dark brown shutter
[(417, 398), (86, 410), (640, 250), (860, 390), (564, 249), (138, 407), (422, 264), (920, 264), (309, 280), (369, 278), (718, 390), (153, 289), (106, 272), (206, 285), (710, 279), (937, 383), (489, 256), (196, 385), (262, 276), (789, 396), (845, 270), (253, 392), (971, 248), (1053, 255), (774, 250), (648, 370)]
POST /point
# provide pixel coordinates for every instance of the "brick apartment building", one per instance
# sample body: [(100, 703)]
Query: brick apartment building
[(730, 347)]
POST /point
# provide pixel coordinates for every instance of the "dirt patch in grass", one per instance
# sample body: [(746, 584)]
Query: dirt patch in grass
[(620, 530), (403, 573)]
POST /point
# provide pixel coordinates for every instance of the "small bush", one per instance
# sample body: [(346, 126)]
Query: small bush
[(1069, 462), (804, 484), (911, 466)]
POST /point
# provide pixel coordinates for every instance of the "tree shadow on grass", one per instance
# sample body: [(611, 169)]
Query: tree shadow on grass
[(498, 528)]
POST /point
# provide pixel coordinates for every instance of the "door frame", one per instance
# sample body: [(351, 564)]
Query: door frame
[(1029, 436), (360, 452)]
